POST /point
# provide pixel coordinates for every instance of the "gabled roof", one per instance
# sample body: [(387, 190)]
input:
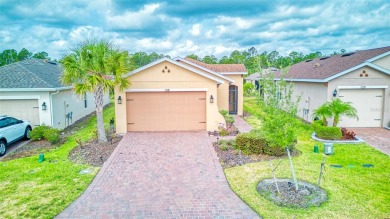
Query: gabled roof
[(204, 69), (31, 73), (327, 68), (175, 63), (221, 68), (257, 75)]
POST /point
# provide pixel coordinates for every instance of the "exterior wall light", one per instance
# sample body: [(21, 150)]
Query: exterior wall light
[(335, 93), (119, 100), (211, 99), (44, 106)]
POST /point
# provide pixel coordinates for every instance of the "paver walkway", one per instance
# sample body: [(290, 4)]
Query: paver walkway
[(160, 175), (241, 124), (379, 138)]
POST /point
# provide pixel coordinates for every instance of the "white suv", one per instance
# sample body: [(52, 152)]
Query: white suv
[(12, 130)]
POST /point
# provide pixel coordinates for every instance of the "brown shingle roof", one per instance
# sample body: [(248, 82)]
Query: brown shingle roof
[(220, 67), (321, 68)]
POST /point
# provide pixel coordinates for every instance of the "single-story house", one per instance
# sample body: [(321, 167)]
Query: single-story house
[(179, 94), (361, 77), (255, 77), (31, 90)]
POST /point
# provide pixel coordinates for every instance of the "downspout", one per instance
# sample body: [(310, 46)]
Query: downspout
[(51, 107)]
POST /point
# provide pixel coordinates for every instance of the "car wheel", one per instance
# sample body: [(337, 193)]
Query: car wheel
[(27, 133), (3, 148)]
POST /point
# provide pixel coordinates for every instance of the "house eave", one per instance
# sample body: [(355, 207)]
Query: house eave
[(34, 89), (175, 63)]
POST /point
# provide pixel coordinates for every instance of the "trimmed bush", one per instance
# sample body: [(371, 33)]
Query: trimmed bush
[(52, 135), (223, 132), (274, 150), (45, 132), (252, 142), (37, 132), (328, 133), (229, 119)]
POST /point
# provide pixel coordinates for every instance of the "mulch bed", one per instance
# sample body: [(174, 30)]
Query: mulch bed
[(232, 157), (31, 148), (93, 153), (306, 196)]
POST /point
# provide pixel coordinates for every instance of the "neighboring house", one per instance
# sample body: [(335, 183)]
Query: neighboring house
[(255, 77), (32, 90), (179, 94), (361, 77)]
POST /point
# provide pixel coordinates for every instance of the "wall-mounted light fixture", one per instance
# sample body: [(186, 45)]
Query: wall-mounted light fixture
[(335, 93), (44, 106), (119, 100), (211, 99)]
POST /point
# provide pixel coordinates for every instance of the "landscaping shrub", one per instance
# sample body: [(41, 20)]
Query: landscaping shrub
[(229, 119), (223, 145), (37, 132), (248, 88), (52, 135), (223, 132), (252, 142), (348, 134), (328, 133), (45, 132), (274, 150)]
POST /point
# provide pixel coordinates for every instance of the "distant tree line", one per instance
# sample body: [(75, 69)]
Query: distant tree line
[(9, 56), (251, 58)]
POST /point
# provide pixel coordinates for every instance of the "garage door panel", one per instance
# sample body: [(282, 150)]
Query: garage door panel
[(21, 109), (369, 106), (166, 111)]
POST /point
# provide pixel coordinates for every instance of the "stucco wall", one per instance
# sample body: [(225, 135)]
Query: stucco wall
[(375, 78), (41, 96), (178, 78), (312, 96), (66, 101)]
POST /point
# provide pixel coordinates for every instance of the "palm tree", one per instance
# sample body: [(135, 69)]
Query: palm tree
[(340, 108), (96, 66), (324, 112)]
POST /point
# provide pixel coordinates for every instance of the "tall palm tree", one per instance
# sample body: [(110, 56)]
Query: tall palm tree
[(340, 108), (324, 112), (96, 66)]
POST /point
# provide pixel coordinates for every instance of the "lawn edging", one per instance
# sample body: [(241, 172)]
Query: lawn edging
[(356, 141)]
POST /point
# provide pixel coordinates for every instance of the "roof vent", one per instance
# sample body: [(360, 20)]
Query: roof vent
[(323, 58), (347, 54), (309, 60), (53, 63)]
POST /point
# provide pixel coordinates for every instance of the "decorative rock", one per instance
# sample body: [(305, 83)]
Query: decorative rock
[(86, 171)]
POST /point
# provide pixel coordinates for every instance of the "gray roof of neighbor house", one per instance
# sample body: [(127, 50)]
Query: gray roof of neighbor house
[(31, 73), (256, 75), (325, 67)]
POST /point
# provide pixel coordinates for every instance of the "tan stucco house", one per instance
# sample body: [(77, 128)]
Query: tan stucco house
[(361, 77), (179, 94), (31, 90)]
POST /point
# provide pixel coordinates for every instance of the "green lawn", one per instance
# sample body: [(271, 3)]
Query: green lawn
[(353, 192), (42, 190)]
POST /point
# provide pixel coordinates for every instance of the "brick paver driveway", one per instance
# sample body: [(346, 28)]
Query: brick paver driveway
[(379, 138), (160, 175)]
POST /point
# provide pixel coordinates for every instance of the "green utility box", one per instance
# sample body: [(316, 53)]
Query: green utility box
[(328, 148)]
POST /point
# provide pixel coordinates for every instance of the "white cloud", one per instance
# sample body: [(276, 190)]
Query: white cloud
[(133, 20), (195, 30)]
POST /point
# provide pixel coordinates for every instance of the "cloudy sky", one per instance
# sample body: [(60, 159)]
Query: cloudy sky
[(202, 27)]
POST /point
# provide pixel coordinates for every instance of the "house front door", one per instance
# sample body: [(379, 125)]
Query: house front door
[(233, 96)]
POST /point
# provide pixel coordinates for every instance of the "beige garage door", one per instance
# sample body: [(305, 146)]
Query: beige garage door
[(369, 106), (166, 111), (21, 109)]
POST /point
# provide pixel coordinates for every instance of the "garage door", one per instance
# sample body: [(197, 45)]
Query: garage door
[(166, 111), (369, 105), (21, 109)]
